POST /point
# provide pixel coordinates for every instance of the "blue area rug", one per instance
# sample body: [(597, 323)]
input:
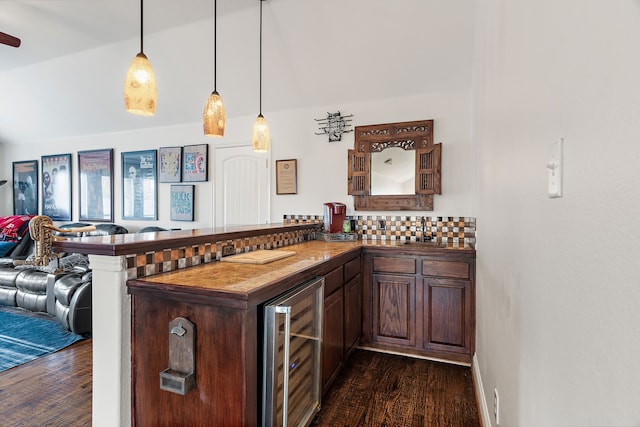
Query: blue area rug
[(25, 337)]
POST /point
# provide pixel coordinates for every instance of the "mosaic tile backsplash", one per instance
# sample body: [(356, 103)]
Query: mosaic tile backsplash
[(150, 263), (374, 227), (378, 227)]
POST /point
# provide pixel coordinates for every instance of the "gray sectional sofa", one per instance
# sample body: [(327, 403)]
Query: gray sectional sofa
[(65, 295)]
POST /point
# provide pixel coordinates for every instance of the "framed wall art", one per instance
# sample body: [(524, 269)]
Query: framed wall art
[(170, 164), (286, 177), (182, 202), (195, 162), (56, 186), (25, 187), (139, 185), (95, 182)]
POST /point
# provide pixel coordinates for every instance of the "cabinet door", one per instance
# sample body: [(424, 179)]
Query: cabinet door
[(332, 338), (394, 309), (352, 313), (448, 315)]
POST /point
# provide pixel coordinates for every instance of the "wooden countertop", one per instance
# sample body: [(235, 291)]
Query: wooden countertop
[(253, 283), (245, 285), (134, 243)]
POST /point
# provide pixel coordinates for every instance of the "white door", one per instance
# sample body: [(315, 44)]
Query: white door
[(241, 186)]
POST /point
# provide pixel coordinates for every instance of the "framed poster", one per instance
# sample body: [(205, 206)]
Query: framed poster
[(95, 172), (195, 162), (182, 202), (170, 160), (25, 187), (139, 188), (286, 177), (56, 187)]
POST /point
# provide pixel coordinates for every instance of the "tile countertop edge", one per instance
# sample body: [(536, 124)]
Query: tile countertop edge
[(134, 243), (242, 285)]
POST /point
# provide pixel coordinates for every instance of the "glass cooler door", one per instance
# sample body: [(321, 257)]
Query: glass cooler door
[(293, 338)]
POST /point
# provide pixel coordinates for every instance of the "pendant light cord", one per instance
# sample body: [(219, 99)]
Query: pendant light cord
[(141, 25), (215, 41), (261, 1)]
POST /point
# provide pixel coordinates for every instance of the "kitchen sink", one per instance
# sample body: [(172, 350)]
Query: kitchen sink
[(427, 243)]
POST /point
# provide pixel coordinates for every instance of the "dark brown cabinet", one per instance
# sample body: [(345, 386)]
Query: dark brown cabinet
[(342, 324), (420, 304), (394, 299), (332, 328), (226, 362), (447, 315), (229, 332), (416, 302), (352, 313), (448, 306)]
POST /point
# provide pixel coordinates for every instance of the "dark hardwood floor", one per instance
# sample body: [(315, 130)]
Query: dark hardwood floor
[(54, 390), (375, 389)]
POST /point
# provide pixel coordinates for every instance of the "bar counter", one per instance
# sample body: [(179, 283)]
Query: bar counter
[(132, 243), (257, 282), (125, 264)]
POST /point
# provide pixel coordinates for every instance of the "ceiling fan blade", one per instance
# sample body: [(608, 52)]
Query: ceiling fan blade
[(9, 40)]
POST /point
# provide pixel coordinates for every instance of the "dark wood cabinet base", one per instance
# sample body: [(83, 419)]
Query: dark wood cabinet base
[(226, 365), (420, 304)]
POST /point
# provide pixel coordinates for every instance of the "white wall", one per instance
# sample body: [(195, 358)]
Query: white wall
[(558, 287), (322, 166), (53, 108)]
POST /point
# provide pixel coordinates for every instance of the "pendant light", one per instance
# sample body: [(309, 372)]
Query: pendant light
[(213, 117), (260, 137), (140, 91)]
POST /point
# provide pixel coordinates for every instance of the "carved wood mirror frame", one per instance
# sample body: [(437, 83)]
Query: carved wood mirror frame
[(415, 135)]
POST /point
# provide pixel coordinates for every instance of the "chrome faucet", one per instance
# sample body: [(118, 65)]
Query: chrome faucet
[(423, 238)]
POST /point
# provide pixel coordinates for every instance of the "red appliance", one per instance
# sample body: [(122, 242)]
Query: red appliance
[(334, 215)]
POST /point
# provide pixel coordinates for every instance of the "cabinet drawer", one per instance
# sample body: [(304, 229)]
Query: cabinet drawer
[(455, 269), (332, 281), (394, 265), (351, 269)]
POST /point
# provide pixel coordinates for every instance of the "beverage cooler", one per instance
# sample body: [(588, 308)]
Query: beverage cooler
[(293, 338)]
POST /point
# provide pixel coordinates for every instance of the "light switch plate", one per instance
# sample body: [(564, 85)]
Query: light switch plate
[(554, 169)]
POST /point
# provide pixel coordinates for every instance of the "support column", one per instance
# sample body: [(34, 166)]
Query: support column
[(111, 317)]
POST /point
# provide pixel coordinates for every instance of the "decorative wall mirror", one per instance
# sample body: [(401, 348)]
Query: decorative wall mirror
[(395, 166)]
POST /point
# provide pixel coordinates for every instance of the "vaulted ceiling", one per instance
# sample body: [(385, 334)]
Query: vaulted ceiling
[(67, 77)]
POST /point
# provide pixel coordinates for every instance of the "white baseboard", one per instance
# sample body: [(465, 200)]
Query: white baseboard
[(482, 399)]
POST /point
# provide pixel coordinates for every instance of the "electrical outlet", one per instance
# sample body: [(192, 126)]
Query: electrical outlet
[(496, 406)]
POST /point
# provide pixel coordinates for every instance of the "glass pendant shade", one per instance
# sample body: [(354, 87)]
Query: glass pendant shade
[(140, 91), (260, 137), (213, 117)]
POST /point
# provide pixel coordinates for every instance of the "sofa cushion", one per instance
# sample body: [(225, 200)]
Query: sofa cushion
[(62, 314), (107, 229), (8, 277), (31, 301), (8, 296), (65, 286), (32, 281), (32, 290)]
